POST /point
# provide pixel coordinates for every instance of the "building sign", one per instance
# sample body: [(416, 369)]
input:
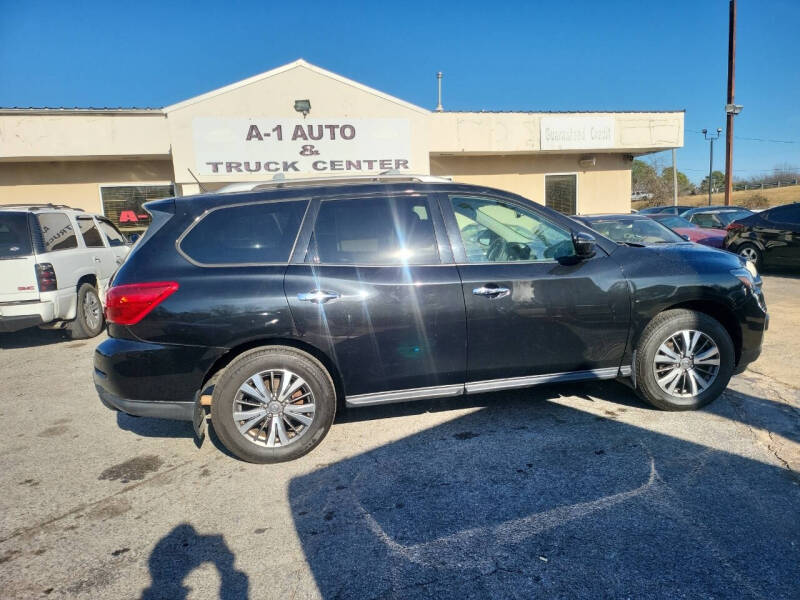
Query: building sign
[(265, 146), (576, 132)]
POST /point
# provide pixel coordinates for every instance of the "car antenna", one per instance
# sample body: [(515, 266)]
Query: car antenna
[(204, 190)]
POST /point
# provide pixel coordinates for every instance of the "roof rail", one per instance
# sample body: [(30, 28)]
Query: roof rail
[(280, 181), (43, 205)]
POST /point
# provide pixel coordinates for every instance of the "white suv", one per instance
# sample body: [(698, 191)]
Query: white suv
[(55, 264)]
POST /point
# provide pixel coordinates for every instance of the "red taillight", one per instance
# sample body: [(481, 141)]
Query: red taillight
[(46, 277), (735, 227), (128, 304)]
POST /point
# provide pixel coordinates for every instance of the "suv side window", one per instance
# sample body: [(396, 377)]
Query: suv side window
[(394, 230), (789, 214), (257, 233), (57, 232), (497, 231), (113, 235), (91, 235)]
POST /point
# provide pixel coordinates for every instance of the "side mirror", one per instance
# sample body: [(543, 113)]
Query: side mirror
[(686, 237), (585, 245), (133, 238)]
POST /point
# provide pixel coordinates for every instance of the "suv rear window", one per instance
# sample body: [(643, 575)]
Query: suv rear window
[(57, 232), (256, 233), (374, 231), (15, 239)]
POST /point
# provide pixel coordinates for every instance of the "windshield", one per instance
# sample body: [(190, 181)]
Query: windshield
[(675, 221), (15, 239), (634, 231), (729, 217)]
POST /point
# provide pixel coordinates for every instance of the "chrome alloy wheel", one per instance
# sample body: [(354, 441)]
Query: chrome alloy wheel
[(274, 408), (92, 310), (686, 364), (749, 253)]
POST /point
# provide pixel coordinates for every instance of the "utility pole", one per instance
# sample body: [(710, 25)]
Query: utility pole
[(731, 109), (711, 139)]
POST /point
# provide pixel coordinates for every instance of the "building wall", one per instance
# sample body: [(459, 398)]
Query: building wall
[(76, 135), (274, 97), (605, 187), (75, 183), (514, 133)]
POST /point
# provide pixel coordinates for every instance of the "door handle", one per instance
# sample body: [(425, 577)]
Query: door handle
[(317, 296), (491, 291), (96, 259)]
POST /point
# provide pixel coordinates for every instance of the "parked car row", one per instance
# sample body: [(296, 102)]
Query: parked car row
[(769, 238)]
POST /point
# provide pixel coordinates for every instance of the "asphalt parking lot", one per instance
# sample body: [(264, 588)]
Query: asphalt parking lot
[(558, 492)]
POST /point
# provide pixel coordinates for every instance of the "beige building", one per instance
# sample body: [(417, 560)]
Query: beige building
[(300, 120)]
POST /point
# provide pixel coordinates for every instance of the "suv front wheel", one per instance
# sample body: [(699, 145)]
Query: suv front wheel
[(684, 360), (273, 404)]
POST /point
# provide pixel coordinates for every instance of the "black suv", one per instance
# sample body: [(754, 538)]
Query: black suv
[(769, 238), (293, 296)]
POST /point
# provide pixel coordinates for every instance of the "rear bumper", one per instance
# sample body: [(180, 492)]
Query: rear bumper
[(164, 409), (21, 315), (16, 323), (151, 380)]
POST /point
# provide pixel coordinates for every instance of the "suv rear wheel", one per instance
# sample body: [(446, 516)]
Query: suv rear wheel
[(684, 360), (273, 404), (88, 321)]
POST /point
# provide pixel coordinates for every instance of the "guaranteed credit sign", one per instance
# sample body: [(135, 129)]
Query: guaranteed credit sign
[(576, 132), (263, 145)]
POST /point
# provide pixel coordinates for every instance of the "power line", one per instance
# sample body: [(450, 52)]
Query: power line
[(752, 139)]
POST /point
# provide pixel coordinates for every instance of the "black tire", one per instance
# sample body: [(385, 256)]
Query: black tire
[(240, 370), (84, 326), (751, 252), (657, 332)]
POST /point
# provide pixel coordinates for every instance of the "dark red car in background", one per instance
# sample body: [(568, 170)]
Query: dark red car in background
[(700, 235)]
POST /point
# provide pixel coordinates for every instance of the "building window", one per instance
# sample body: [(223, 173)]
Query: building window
[(561, 193), (122, 204)]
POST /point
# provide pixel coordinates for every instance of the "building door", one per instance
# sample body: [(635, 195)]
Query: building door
[(561, 193)]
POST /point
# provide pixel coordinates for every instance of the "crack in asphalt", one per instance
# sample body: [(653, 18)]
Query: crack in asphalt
[(738, 400)]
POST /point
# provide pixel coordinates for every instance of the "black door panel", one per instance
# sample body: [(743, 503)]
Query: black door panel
[(556, 318), (391, 328)]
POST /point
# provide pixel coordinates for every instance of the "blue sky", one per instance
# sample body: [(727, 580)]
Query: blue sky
[(566, 55)]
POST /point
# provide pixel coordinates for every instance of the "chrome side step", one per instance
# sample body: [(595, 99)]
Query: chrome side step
[(531, 380), (438, 391), (477, 387)]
